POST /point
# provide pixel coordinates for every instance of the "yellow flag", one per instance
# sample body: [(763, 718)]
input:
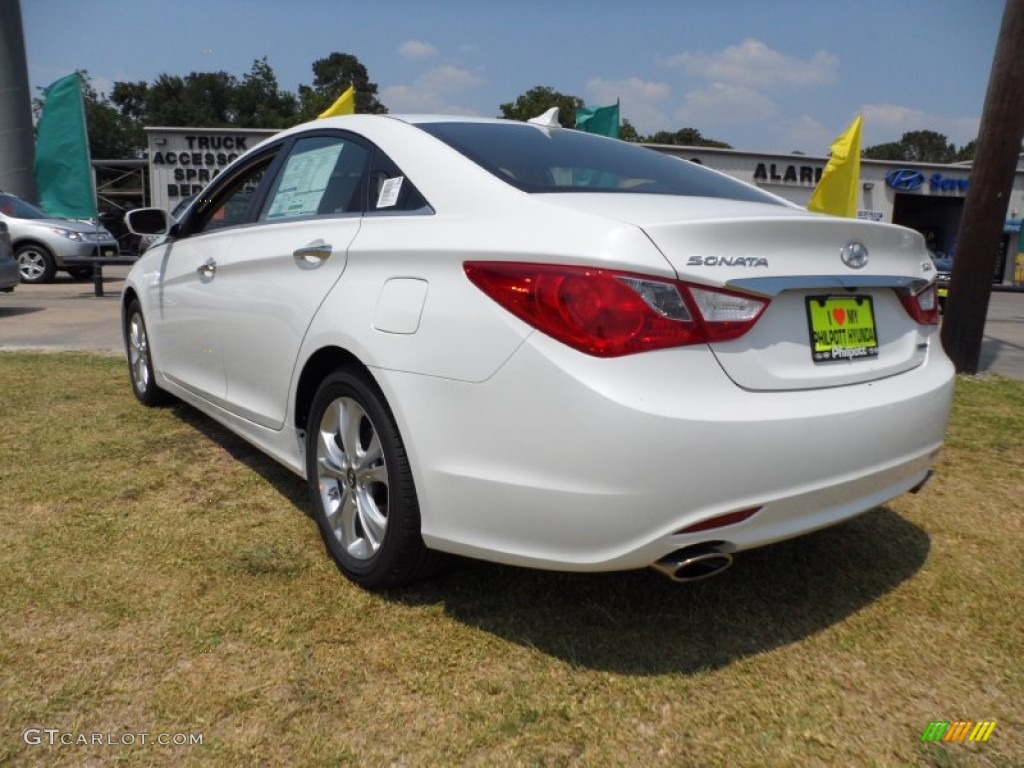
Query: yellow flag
[(345, 105), (836, 193)]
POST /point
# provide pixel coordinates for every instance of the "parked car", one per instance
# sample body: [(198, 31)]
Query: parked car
[(9, 275), (44, 244), (541, 347)]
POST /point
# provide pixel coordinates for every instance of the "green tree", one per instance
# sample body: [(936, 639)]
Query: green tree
[(210, 99), (966, 152), (201, 99), (928, 147), (689, 137), (540, 99), (110, 135), (260, 103), (165, 102), (130, 99), (915, 147), (331, 77), (891, 150), (627, 132)]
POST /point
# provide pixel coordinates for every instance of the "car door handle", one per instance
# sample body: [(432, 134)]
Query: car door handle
[(314, 254), (207, 269)]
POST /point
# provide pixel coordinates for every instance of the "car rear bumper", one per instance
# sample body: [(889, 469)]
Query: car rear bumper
[(574, 463)]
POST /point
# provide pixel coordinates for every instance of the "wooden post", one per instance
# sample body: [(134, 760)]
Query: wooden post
[(988, 197)]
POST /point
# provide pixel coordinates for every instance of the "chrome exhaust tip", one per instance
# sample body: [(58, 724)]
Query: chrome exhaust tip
[(693, 563)]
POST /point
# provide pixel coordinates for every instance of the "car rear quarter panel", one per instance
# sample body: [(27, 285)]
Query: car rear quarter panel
[(462, 334)]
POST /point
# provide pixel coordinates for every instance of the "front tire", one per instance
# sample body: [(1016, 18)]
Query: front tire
[(140, 361), (35, 263), (80, 273), (362, 489)]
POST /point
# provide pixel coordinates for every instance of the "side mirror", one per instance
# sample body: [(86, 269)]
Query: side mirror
[(148, 221)]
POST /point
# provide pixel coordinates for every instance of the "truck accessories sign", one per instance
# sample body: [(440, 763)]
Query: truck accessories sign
[(184, 160)]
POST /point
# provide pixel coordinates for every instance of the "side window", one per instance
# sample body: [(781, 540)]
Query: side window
[(322, 176), (229, 204), (390, 189)]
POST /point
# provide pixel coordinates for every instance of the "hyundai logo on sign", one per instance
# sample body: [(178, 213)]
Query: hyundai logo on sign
[(904, 179)]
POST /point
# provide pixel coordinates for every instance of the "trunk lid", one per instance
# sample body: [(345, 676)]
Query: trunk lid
[(792, 257)]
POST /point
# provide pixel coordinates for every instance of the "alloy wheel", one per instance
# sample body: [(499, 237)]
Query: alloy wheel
[(352, 478), (138, 352), (32, 264)]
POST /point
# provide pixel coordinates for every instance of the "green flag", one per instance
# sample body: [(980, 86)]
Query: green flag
[(602, 120), (62, 171)]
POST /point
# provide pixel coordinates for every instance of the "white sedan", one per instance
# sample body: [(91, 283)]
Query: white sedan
[(532, 345)]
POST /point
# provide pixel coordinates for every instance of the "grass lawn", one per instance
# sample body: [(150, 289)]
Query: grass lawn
[(159, 576)]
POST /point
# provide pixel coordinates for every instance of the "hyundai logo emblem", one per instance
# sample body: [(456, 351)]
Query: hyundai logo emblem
[(904, 179), (854, 255)]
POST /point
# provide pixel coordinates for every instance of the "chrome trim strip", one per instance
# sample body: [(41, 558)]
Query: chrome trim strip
[(773, 286)]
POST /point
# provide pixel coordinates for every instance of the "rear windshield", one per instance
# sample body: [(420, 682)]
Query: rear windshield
[(537, 159)]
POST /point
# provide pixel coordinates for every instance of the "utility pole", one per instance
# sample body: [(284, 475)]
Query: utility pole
[(17, 148), (995, 162)]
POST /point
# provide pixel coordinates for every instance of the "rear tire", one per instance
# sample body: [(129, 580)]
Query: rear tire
[(361, 486), (35, 263), (140, 361)]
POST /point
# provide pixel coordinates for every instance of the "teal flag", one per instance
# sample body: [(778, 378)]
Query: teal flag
[(62, 170), (602, 120)]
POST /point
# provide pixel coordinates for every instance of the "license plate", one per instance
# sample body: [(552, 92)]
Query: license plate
[(841, 328)]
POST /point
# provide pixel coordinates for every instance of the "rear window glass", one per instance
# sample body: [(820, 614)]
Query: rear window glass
[(537, 159)]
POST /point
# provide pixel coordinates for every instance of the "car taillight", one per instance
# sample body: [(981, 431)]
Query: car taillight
[(607, 313), (923, 306)]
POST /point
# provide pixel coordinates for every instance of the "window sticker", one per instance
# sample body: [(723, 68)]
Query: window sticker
[(303, 182), (389, 192)]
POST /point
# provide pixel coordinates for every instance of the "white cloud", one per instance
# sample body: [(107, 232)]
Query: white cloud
[(433, 91), (416, 49), (723, 104), (640, 100), (888, 122), (609, 90), (810, 135), (752, 62)]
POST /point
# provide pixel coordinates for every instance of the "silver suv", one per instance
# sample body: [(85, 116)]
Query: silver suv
[(43, 244)]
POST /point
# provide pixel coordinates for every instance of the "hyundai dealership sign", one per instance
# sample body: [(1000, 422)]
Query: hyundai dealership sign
[(910, 180)]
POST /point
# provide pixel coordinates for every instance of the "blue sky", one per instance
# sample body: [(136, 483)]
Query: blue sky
[(763, 76)]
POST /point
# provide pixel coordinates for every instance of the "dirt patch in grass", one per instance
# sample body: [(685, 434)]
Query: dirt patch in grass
[(159, 576)]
